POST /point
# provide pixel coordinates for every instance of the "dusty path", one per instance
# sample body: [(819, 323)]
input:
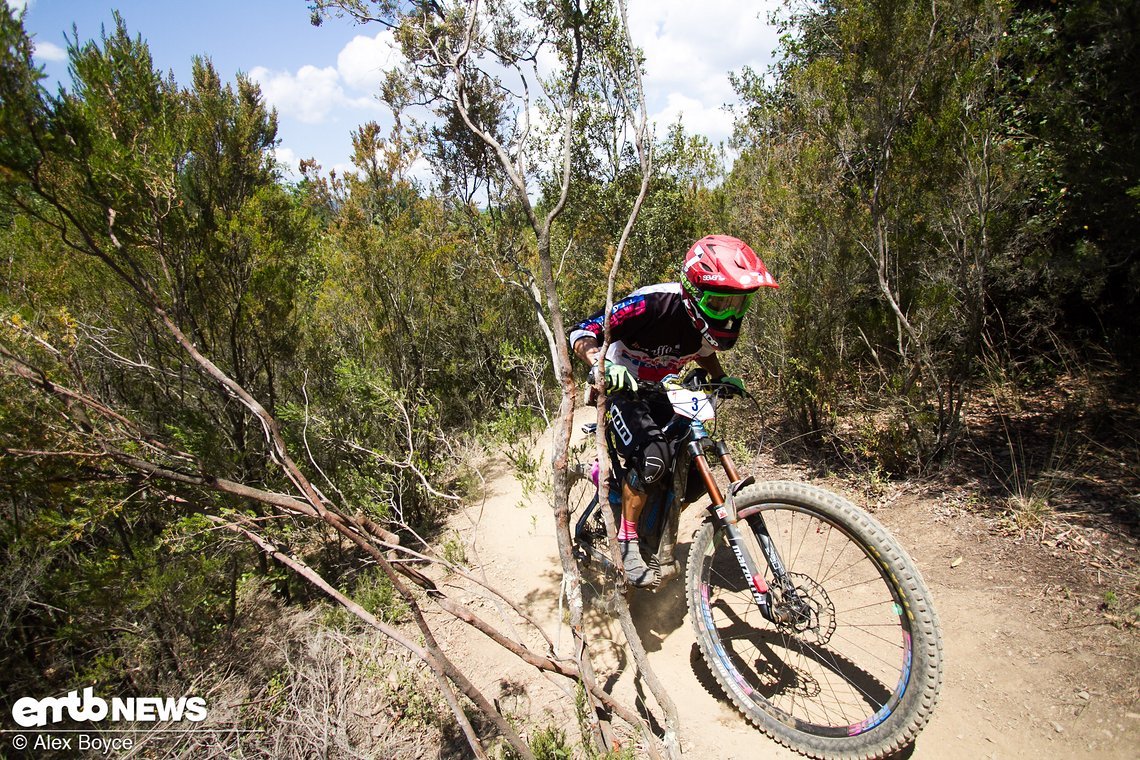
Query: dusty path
[(1030, 670)]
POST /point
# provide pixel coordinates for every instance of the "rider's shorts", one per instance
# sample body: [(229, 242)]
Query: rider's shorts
[(635, 430)]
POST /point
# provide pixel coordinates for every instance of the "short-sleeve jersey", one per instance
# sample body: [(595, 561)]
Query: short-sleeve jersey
[(652, 335)]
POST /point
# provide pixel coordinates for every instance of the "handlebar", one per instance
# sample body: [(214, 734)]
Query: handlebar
[(717, 389), (695, 380)]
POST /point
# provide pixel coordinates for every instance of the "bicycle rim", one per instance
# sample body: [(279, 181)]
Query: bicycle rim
[(842, 663)]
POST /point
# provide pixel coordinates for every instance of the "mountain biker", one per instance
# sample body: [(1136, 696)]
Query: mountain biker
[(654, 332)]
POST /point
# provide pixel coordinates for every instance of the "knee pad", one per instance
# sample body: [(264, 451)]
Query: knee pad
[(654, 464)]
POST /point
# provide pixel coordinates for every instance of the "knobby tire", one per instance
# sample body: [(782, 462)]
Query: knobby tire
[(857, 675)]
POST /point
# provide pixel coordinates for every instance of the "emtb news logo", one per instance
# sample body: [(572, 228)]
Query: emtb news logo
[(36, 713)]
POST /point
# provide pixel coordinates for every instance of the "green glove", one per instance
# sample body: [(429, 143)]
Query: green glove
[(618, 378), (737, 385)]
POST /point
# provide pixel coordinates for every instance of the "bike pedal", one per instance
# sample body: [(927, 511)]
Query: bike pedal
[(666, 574)]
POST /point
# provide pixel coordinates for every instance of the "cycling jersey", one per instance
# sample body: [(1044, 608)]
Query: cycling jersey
[(651, 333)]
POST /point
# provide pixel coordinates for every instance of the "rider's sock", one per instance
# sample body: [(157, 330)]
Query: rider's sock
[(627, 531)]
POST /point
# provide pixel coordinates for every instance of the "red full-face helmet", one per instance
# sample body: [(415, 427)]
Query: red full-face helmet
[(720, 276)]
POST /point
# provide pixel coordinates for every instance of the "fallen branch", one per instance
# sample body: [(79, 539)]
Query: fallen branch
[(315, 579)]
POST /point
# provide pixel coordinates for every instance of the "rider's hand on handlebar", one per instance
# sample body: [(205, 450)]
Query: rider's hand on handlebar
[(731, 386), (617, 378)]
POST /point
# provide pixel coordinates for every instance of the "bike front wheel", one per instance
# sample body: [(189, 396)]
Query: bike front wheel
[(852, 665)]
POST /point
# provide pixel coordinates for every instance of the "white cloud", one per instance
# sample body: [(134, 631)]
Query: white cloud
[(363, 61), (698, 117), (289, 159), (18, 5), (47, 51), (690, 48), (420, 171), (344, 168), (313, 95), (309, 96)]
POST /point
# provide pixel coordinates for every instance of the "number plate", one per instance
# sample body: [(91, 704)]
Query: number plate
[(696, 405)]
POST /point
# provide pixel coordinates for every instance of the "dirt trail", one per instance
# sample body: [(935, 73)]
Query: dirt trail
[(1030, 670)]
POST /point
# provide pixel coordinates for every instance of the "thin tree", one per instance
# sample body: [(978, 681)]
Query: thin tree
[(480, 67)]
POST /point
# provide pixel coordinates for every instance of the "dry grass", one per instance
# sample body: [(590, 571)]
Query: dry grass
[(1059, 466), (294, 688)]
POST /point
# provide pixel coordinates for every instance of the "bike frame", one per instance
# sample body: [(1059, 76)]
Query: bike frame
[(890, 685), (722, 509)]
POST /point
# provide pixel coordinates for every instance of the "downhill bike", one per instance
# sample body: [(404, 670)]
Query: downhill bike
[(811, 617)]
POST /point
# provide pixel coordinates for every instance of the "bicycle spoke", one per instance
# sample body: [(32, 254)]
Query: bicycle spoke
[(830, 655), (851, 673)]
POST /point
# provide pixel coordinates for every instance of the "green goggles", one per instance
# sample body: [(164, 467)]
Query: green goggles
[(724, 305)]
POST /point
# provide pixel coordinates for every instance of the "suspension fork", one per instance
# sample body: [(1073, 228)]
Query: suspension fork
[(723, 510), (755, 520)]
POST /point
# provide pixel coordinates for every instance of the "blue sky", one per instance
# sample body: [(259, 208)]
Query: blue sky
[(323, 80)]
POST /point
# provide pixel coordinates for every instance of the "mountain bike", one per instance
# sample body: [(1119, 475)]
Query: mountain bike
[(812, 618)]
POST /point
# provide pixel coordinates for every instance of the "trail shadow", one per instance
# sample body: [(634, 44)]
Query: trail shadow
[(658, 614), (655, 614), (707, 680), (1074, 445), (705, 675), (773, 663)]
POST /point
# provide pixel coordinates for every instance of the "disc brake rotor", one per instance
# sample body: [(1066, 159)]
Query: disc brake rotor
[(804, 609)]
